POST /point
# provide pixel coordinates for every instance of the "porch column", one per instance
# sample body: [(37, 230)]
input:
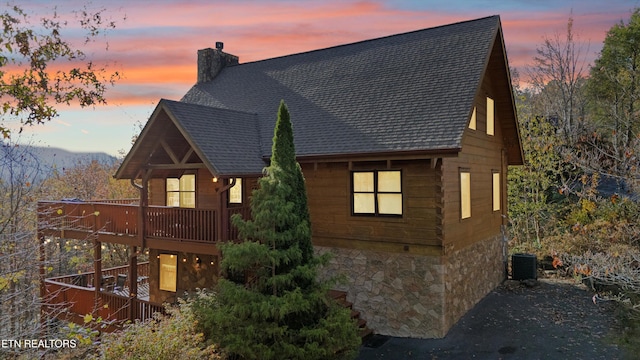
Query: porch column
[(133, 281), (224, 217)]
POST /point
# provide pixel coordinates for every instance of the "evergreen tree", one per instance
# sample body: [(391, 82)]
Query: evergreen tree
[(279, 310)]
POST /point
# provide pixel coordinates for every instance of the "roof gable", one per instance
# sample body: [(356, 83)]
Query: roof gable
[(227, 142), (407, 92)]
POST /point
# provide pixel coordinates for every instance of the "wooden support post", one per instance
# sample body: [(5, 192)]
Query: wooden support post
[(224, 217), (133, 281)]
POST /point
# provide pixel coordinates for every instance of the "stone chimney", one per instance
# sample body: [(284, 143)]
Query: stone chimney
[(212, 61)]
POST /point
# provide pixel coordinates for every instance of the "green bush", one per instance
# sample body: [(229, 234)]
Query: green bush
[(163, 337)]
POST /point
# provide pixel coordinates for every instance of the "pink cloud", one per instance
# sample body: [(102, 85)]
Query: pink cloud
[(156, 46)]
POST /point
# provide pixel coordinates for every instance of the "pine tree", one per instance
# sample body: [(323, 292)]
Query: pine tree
[(279, 310)]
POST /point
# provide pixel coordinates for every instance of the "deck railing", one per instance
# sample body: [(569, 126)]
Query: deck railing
[(163, 222), (88, 217), (65, 298), (85, 279), (181, 224)]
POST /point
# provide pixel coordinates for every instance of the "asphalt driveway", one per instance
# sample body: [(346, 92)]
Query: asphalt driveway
[(553, 320)]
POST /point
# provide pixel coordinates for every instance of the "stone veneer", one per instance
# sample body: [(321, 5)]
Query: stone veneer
[(413, 295), (471, 273)]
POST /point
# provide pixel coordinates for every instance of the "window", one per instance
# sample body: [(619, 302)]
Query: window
[(168, 272), (472, 122), (377, 192), (465, 194), (235, 192), (490, 116), (496, 190), (182, 191)]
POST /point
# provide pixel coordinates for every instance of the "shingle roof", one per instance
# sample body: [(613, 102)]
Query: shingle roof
[(210, 129), (412, 91)]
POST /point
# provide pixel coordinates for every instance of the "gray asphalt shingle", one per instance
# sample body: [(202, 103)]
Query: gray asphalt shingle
[(406, 92)]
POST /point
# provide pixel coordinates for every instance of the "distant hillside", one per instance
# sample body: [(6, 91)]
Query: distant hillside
[(59, 158), (38, 162)]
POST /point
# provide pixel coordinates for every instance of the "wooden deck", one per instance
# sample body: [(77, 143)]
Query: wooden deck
[(72, 297), (116, 221)]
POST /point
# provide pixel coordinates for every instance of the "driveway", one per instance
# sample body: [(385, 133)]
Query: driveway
[(555, 319)]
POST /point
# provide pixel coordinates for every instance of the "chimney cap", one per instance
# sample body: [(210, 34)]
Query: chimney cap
[(219, 45)]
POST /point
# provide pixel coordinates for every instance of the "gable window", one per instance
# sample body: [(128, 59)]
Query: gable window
[(490, 116), (377, 192), (182, 191), (235, 192), (472, 122), (496, 190), (168, 272), (465, 193)]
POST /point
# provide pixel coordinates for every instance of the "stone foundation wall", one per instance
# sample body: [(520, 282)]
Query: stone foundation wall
[(471, 273), (416, 296), (397, 294)]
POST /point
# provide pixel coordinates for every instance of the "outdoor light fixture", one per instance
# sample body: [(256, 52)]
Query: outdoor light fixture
[(215, 179)]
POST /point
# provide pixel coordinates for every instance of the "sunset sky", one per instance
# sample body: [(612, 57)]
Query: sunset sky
[(155, 43)]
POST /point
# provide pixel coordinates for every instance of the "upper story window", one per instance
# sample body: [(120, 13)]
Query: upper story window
[(496, 190), (235, 192), (490, 116), (472, 122), (377, 192), (465, 193), (182, 191)]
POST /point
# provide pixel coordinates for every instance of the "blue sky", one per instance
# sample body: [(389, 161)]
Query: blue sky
[(155, 42)]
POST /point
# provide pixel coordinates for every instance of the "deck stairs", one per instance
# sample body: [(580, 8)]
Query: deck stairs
[(341, 298)]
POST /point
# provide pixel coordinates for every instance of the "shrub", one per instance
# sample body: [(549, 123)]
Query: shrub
[(163, 337)]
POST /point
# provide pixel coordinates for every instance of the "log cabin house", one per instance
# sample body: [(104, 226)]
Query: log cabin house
[(404, 142)]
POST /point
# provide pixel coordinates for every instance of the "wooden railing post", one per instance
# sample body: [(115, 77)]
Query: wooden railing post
[(133, 281), (97, 270)]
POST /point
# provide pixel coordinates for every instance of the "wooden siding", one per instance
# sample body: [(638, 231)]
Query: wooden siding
[(206, 195), (481, 154), (329, 193)]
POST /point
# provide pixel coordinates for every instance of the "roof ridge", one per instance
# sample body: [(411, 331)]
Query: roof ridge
[(372, 39), (207, 106)]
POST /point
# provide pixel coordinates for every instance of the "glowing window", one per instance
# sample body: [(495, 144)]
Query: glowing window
[(168, 272), (377, 193), (490, 116), (235, 192), (182, 191), (465, 194), (496, 191), (472, 122)]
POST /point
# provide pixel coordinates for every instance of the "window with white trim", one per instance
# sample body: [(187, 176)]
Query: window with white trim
[(377, 192)]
